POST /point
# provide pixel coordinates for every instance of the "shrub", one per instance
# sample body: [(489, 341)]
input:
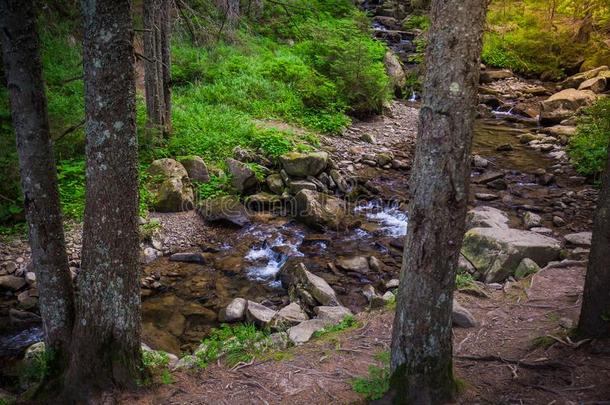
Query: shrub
[(235, 343), (589, 147)]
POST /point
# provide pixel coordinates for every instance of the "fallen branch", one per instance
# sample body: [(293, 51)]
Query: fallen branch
[(524, 364)]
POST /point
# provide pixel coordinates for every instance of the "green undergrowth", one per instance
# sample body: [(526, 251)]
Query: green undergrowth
[(535, 37), (156, 368), (588, 149), (310, 63), (234, 343), (377, 382), (347, 323)]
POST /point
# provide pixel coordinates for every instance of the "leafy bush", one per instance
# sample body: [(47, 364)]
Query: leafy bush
[(235, 343), (417, 21), (346, 323), (589, 147)]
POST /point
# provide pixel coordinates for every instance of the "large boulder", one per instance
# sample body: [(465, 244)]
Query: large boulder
[(304, 164), (259, 314), (290, 315), (596, 85), (496, 252), (486, 217), (395, 71), (333, 314), (461, 317), (243, 178), (11, 283), (226, 209), (564, 104), (170, 186), (302, 332), (196, 168), (295, 277), (320, 210), (577, 79), (234, 312), (488, 76)]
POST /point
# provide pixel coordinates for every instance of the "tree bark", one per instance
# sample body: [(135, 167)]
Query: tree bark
[(421, 341), (166, 61), (152, 74), (23, 70), (595, 313), (106, 339)]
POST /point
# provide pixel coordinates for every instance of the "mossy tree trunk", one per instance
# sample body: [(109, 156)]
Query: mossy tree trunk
[(595, 314), (106, 339), (23, 71), (421, 342)]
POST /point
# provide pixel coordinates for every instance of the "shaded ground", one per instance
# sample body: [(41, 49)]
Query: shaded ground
[(498, 360)]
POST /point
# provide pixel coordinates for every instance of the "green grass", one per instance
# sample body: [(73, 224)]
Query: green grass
[(349, 322), (234, 343), (463, 280), (377, 383), (588, 149)]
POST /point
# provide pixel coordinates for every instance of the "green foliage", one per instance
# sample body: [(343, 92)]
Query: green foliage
[(71, 177), (348, 322), (216, 187), (235, 343), (463, 280), (416, 21), (154, 359), (156, 367), (530, 37), (148, 229), (588, 149), (377, 383), (37, 367)]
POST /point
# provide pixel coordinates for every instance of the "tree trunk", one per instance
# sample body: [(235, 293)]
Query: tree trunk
[(166, 61), (152, 74), (106, 338), (421, 340), (595, 313), (23, 70)]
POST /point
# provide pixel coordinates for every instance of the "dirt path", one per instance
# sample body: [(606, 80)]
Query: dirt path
[(497, 360)]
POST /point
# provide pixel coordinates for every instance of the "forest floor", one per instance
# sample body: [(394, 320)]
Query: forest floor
[(519, 353)]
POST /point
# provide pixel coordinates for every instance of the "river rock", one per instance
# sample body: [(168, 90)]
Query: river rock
[(304, 164), (11, 283), (564, 104), (333, 314), (531, 220), (320, 210), (488, 76), (358, 264), (577, 79), (303, 332), (375, 264), (275, 183), (496, 252), (526, 267), (170, 186), (234, 312), (261, 201), (225, 208), (243, 178), (391, 284), (187, 257), (368, 138), (581, 239), (298, 185), (375, 300), (559, 131), (479, 162), (384, 158), (461, 317), (196, 168), (595, 84), (294, 275), (559, 221), (290, 315), (395, 71), (26, 300), (259, 314), (486, 196), (486, 217)]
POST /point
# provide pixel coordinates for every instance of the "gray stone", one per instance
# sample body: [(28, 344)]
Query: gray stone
[(333, 314), (340, 181), (375, 264), (186, 363), (298, 185), (461, 317), (582, 239), (275, 183), (187, 257), (196, 168), (12, 283), (525, 268), (480, 162), (225, 208), (384, 158), (564, 104), (531, 220), (259, 314), (368, 138), (262, 201), (395, 71), (295, 274), (559, 221), (577, 79), (304, 164), (359, 264), (290, 315), (303, 332), (234, 312), (486, 196), (243, 178), (488, 76), (393, 283), (486, 217), (170, 186), (496, 253), (320, 210)]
